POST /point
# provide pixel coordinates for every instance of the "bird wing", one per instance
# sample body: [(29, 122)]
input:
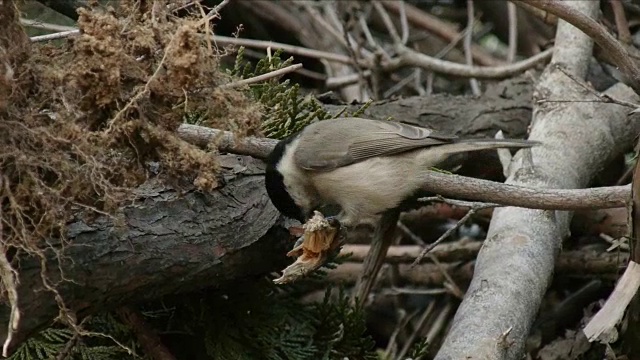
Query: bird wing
[(329, 144)]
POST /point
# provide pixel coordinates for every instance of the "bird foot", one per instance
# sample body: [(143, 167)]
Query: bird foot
[(299, 242), (334, 222)]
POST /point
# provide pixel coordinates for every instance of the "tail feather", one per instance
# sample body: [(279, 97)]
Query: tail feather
[(486, 144)]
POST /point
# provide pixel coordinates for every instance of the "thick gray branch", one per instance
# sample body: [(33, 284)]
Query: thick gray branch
[(516, 263)]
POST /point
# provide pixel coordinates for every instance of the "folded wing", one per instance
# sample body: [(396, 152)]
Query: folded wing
[(329, 144)]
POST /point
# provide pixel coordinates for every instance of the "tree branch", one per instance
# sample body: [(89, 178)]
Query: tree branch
[(618, 54), (459, 263), (443, 184), (516, 263)]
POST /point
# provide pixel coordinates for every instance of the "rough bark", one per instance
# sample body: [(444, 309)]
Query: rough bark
[(515, 265), (167, 242), (504, 106)]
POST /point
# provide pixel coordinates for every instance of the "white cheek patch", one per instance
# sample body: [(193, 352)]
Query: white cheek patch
[(295, 179)]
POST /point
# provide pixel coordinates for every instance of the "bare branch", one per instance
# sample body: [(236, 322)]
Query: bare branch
[(515, 266), (263, 77), (440, 28), (618, 54), (295, 50), (622, 25), (513, 32), (475, 87), (408, 57), (570, 263), (449, 231)]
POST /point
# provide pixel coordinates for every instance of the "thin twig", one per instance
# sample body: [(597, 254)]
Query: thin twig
[(55, 36), (371, 40), (513, 32), (367, 32), (450, 284), (400, 84), (580, 263), (386, 19), (605, 98), (415, 238), (404, 23), (523, 196), (544, 16), (617, 53), (441, 54), (47, 26), (263, 77), (408, 57), (226, 40), (449, 232), (295, 50), (322, 22), (461, 250), (66, 351), (621, 21), (460, 203), (440, 28), (475, 87), (421, 324), (402, 323), (340, 81), (439, 323), (214, 13), (9, 280), (393, 290)]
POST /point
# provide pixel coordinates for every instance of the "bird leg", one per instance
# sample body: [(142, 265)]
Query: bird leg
[(383, 237)]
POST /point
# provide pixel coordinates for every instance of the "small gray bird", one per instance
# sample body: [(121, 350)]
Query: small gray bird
[(364, 166)]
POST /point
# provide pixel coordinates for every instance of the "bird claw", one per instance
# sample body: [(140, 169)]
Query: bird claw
[(299, 242), (333, 221)]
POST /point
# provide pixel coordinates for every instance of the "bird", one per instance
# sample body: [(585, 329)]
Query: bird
[(364, 166)]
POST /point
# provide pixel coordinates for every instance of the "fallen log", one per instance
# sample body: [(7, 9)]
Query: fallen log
[(167, 241)]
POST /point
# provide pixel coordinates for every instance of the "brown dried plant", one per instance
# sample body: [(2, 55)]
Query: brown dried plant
[(84, 122)]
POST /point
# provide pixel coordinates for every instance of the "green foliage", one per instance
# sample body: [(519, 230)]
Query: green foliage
[(261, 320), (341, 329), (419, 349), (285, 110), (48, 343)]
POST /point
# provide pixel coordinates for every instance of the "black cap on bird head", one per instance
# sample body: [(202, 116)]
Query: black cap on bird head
[(274, 183)]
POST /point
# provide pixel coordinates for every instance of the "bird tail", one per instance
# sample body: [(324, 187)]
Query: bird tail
[(450, 156), (487, 144)]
